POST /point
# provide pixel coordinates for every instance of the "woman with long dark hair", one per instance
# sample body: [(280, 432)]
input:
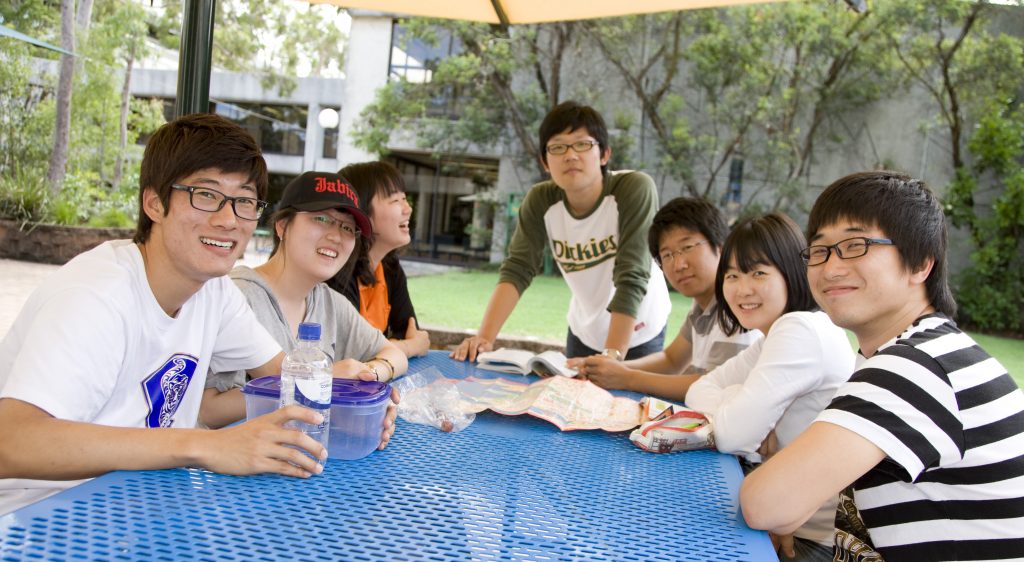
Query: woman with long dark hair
[(375, 283), (765, 396)]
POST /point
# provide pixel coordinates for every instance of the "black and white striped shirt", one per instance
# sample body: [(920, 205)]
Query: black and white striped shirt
[(951, 422)]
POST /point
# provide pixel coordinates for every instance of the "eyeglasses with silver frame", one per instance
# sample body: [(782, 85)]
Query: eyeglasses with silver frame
[(578, 146), (845, 249), (211, 201)]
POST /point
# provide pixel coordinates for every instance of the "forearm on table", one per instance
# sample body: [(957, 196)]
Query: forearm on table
[(47, 448), (394, 356), (219, 409), (408, 347), (620, 330), (669, 387), (660, 362), (785, 491)]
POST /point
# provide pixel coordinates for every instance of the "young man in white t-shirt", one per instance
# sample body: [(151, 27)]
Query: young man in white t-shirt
[(925, 444), (594, 222), (103, 369), (685, 238)]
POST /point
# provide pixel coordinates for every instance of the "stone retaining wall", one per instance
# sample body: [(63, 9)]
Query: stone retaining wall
[(446, 338), (48, 243)]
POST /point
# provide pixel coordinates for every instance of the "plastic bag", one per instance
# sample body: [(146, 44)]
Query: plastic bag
[(429, 398)]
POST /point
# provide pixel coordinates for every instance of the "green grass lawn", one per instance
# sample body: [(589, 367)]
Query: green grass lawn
[(458, 301)]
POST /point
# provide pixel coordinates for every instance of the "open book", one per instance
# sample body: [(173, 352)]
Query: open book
[(525, 362)]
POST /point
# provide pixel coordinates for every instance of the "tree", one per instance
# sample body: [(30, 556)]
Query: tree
[(123, 41), (265, 37), (498, 76), (762, 83), (991, 291), (62, 125), (972, 76)]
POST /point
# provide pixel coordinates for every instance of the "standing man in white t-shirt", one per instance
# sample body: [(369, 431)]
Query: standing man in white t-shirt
[(595, 223), (104, 367), (924, 446), (685, 238)]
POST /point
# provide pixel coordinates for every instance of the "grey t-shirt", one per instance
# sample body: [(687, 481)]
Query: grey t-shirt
[(343, 332), (711, 347)]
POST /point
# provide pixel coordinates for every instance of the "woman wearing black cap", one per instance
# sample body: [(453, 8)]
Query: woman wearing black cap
[(316, 227)]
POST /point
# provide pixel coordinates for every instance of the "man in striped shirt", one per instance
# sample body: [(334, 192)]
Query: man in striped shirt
[(925, 443)]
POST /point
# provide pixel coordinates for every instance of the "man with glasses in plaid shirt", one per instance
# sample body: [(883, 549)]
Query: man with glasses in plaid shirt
[(104, 367)]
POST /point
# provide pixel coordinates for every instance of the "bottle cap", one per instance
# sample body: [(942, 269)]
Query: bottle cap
[(309, 331)]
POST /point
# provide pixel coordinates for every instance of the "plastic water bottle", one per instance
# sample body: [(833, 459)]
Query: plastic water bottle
[(306, 380)]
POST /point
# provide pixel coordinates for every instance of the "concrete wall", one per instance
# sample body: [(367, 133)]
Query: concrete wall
[(366, 70)]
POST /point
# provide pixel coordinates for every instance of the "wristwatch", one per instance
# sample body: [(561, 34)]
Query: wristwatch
[(613, 353)]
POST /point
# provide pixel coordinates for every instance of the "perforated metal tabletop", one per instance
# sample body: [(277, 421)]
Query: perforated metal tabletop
[(503, 489)]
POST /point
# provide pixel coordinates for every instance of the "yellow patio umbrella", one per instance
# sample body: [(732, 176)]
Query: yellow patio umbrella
[(529, 11)]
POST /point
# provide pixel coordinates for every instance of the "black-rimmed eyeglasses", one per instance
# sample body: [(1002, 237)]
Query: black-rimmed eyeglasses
[(669, 256), (578, 146), (845, 249), (212, 201)]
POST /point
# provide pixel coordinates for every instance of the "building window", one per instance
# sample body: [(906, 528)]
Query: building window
[(414, 60), (278, 129)]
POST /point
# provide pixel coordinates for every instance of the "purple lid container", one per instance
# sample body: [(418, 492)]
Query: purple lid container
[(346, 392)]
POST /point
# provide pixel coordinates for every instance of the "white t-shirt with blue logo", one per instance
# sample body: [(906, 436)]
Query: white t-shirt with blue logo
[(93, 345)]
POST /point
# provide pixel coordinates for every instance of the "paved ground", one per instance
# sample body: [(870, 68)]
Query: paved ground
[(18, 279)]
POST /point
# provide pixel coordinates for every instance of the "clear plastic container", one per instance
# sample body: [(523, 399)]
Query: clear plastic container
[(357, 412)]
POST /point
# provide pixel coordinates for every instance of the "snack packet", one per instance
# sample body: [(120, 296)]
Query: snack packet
[(671, 427)]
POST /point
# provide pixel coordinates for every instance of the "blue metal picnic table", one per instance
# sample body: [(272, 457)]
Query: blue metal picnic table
[(505, 488)]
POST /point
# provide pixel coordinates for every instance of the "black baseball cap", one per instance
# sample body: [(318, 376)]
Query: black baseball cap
[(319, 191)]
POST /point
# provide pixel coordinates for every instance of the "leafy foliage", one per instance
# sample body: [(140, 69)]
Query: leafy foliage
[(23, 195), (492, 93), (266, 37), (973, 77), (759, 82), (27, 117), (763, 83), (26, 114), (991, 291)]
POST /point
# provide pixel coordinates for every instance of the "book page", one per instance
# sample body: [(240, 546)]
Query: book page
[(505, 360), (551, 363)]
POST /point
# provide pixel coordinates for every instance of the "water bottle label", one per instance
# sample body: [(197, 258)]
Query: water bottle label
[(313, 394)]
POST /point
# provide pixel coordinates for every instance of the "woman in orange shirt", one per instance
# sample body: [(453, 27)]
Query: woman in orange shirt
[(376, 283)]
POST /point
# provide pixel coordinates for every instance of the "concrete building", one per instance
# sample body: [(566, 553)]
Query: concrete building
[(451, 217), (464, 202)]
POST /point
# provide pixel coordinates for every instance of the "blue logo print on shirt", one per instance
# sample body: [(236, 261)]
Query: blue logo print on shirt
[(165, 388)]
